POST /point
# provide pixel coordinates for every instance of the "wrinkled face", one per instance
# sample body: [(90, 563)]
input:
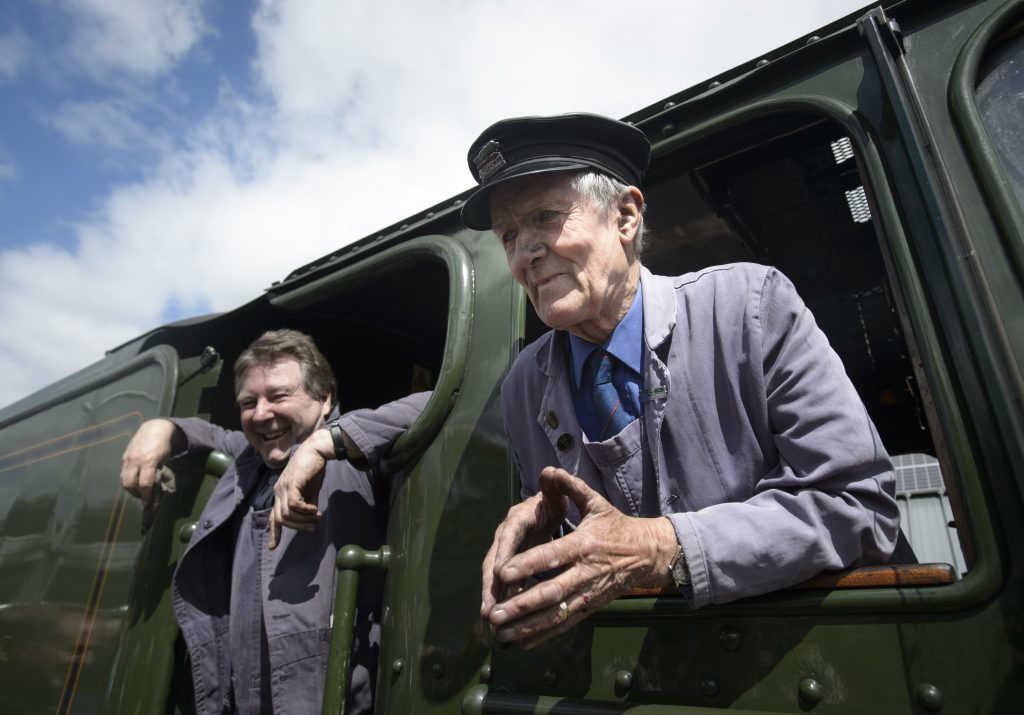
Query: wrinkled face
[(276, 412), (574, 262)]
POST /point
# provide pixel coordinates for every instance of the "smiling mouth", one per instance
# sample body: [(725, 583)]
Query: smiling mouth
[(271, 436)]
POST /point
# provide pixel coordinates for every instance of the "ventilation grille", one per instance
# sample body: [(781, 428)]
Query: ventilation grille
[(917, 473), (858, 201), (842, 150)]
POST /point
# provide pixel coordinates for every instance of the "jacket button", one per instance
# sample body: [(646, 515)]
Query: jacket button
[(552, 420), (564, 441), (208, 523)]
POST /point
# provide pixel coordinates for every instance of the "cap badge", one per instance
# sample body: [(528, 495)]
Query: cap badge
[(489, 161)]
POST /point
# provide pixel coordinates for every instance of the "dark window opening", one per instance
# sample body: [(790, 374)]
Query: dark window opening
[(786, 191), (790, 202), (384, 336)]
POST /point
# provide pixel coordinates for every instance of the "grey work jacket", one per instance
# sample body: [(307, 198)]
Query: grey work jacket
[(298, 578), (754, 442)]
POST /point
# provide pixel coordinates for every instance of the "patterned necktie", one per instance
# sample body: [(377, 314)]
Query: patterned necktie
[(606, 414)]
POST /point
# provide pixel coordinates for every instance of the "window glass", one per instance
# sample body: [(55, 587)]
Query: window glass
[(1001, 102)]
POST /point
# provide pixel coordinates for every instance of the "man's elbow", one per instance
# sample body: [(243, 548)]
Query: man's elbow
[(882, 521)]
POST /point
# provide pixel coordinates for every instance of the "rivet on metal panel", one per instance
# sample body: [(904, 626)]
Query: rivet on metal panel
[(812, 39), (709, 686), (485, 673), (397, 665), (430, 214), (185, 533), (623, 680), (403, 227), (669, 105), (761, 63), (457, 202), (714, 84), (929, 696), (810, 691), (551, 677), (668, 129), (729, 637), (437, 670)]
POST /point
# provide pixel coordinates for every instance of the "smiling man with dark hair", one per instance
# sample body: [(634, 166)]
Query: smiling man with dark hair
[(254, 601)]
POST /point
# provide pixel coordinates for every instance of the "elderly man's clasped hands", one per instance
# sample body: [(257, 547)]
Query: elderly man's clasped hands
[(607, 555)]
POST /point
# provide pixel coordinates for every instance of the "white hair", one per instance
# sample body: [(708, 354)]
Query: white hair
[(605, 193)]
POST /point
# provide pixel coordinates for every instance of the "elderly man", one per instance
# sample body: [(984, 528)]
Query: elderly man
[(257, 622), (694, 433)]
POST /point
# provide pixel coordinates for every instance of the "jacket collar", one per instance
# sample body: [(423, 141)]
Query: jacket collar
[(659, 303)]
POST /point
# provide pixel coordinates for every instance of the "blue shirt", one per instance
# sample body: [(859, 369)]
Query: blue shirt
[(626, 343)]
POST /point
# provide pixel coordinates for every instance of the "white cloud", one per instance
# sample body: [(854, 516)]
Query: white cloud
[(137, 38), (102, 124), (13, 54), (368, 112)]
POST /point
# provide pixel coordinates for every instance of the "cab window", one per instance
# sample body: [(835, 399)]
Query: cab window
[(786, 191)]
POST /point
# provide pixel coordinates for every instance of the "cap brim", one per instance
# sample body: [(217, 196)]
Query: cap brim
[(476, 212)]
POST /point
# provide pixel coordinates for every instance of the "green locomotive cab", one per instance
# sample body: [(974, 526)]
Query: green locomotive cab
[(877, 163)]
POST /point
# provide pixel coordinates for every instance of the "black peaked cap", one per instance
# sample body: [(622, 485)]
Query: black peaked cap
[(539, 145)]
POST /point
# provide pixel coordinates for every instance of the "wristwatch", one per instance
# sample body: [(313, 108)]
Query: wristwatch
[(340, 450), (680, 571)]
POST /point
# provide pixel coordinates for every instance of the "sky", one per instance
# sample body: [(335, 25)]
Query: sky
[(161, 159)]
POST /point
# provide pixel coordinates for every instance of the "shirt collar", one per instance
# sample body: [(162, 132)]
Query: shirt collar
[(626, 341)]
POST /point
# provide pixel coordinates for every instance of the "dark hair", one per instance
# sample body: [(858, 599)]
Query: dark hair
[(317, 376)]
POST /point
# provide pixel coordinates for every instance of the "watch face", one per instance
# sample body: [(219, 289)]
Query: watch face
[(680, 572)]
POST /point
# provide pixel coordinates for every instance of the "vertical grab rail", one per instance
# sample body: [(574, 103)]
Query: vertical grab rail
[(351, 560)]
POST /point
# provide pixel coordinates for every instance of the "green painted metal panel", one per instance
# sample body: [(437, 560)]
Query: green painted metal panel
[(69, 536)]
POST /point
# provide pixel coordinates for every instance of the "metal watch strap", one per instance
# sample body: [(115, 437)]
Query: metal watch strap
[(679, 570), (340, 450)]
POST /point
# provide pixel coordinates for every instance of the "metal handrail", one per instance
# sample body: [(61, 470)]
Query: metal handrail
[(351, 560)]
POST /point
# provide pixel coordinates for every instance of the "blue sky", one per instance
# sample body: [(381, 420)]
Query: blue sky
[(146, 144), (72, 129)]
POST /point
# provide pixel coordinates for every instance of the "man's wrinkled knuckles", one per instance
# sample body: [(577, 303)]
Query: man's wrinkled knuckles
[(536, 600), (543, 557), (539, 624)]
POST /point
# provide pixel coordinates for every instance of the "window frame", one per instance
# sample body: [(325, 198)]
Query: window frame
[(455, 359), (983, 154)]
